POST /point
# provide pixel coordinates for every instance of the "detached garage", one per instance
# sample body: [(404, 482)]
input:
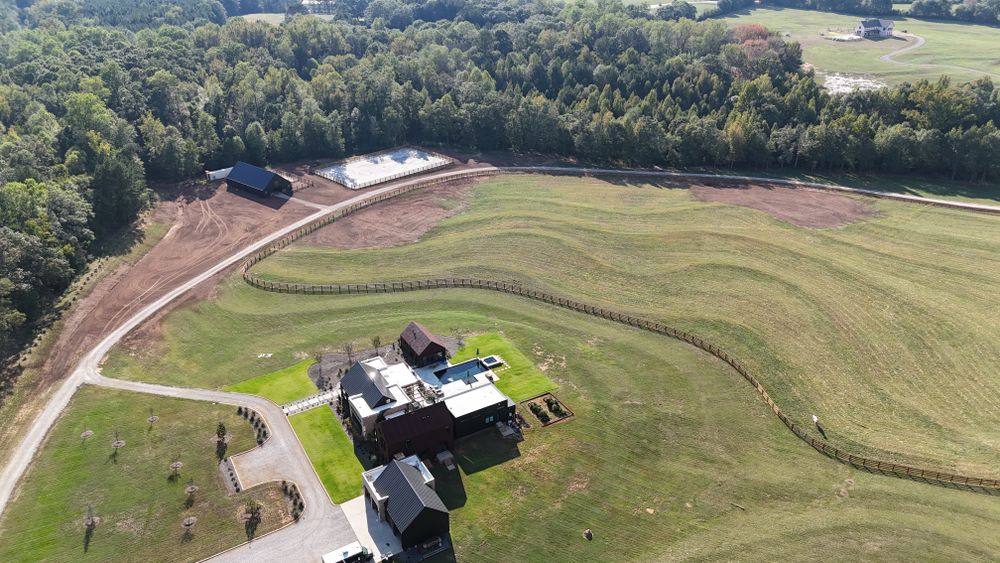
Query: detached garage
[(257, 180)]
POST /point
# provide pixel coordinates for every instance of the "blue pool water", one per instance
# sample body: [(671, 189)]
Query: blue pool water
[(492, 361), (461, 371)]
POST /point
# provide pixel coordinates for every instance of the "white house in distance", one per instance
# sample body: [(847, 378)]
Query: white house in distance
[(874, 28)]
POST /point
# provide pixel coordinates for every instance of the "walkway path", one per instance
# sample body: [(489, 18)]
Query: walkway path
[(322, 524), (890, 58), (312, 402)]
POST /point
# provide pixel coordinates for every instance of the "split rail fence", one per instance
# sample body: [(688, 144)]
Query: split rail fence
[(974, 484)]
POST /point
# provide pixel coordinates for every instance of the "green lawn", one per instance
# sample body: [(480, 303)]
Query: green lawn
[(953, 44), (885, 329), (520, 380), (923, 187), (282, 386), (140, 506), (331, 453)]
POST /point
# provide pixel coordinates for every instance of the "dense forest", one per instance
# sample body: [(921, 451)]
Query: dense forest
[(95, 102)]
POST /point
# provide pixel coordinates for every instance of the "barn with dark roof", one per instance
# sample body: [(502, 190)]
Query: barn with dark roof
[(256, 180), (420, 346)]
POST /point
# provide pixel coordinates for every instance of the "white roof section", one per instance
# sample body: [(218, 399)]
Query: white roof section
[(399, 374), (474, 399), (364, 410), (220, 174), (462, 385), (349, 550), (370, 169)]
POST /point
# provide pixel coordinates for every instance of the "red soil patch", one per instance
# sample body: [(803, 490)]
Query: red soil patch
[(798, 206), (397, 221), (209, 223)]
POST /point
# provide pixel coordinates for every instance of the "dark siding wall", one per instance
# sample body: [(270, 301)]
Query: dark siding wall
[(476, 421), (279, 184), (431, 355), (425, 443), (429, 524)]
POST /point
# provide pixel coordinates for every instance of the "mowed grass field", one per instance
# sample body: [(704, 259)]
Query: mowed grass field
[(519, 378), (139, 505), (282, 386), (885, 329), (330, 452), (659, 426), (963, 51)]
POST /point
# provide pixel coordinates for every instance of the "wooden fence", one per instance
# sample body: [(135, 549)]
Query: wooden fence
[(974, 484)]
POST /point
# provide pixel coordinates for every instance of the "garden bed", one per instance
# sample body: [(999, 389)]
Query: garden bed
[(546, 409)]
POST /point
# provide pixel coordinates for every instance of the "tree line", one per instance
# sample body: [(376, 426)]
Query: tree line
[(89, 112)]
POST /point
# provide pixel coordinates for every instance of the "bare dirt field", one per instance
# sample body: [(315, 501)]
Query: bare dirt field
[(208, 223), (398, 221), (798, 206)]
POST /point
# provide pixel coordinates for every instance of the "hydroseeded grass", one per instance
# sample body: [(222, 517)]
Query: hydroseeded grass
[(282, 386)]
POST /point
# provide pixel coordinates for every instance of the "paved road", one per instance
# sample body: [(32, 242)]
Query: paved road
[(890, 58), (302, 540)]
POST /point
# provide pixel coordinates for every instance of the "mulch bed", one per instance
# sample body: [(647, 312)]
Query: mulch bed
[(540, 400)]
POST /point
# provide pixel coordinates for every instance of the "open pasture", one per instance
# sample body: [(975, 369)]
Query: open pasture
[(883, 328), (664, 440), (962, 51)]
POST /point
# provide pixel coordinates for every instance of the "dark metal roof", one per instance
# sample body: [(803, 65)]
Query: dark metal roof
[(432, 418), (365, 380), (418, 338), (871, 23), (408, 495), (253, 177)]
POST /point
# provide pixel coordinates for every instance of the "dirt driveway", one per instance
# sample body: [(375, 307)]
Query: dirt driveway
[(208, 223)]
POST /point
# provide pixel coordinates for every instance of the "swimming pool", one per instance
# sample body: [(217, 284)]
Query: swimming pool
[(492, 362), (463, 370)]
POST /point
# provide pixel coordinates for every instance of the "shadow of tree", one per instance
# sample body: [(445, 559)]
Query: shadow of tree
[(250, 527), (187, 536), (88, 534)]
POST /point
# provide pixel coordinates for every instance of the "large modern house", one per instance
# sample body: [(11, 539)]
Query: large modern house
[(402, 493), (874, 28), (421, 409)]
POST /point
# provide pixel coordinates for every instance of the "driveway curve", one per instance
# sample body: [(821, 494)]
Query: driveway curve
[(323, 526), (890, 58)]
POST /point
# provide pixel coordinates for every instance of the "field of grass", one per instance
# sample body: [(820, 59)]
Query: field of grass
[(139, 504), (330, 452), (282, 386), (836, 322), (952, 44), (924, 187), (520, 380), (883, 328), (658, 426)]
